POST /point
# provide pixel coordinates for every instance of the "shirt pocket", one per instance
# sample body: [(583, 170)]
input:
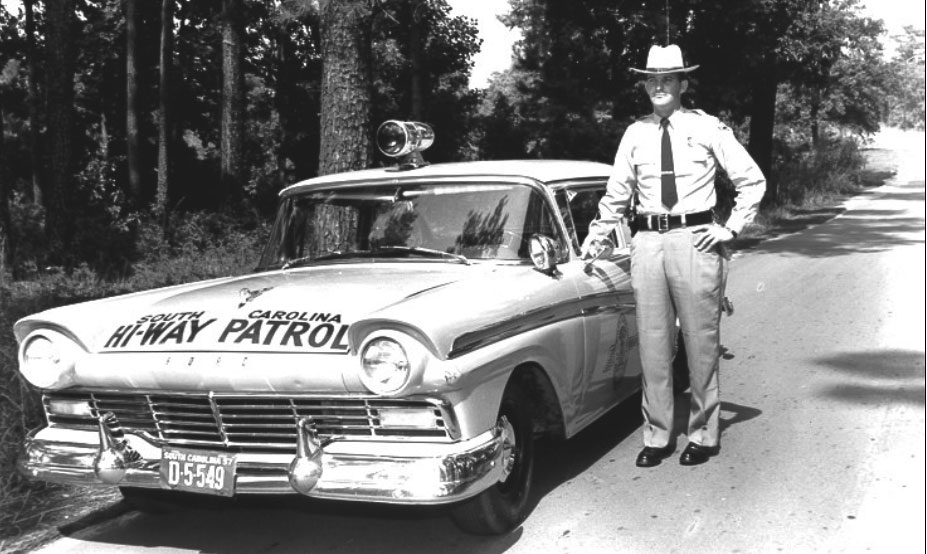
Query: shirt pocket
[(646, 163), (696, 161)]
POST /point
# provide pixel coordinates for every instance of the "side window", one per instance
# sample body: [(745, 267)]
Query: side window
[(580, 206), (584, 206), (540, 220)]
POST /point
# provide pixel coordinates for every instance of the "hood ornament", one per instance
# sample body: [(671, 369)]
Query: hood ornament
[(246, 295)]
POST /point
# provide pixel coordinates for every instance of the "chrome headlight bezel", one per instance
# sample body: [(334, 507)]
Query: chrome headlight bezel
[(47, 359), (390, 362)]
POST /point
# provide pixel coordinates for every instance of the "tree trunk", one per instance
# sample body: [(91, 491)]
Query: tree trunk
[(6, 229), (35, 152), (282, 101), (815, 118), (762, 120), (104, 137), (59, 217), (415, 59), (233, 86), (346, 86), (165, 66), (132, 116)]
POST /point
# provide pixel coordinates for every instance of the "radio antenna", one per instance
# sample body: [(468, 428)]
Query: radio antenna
[(666, 15)]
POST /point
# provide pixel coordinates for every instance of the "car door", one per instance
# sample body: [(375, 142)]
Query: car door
[(612, 361)]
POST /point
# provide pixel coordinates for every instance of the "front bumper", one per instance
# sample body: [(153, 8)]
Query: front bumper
[(386, 472)]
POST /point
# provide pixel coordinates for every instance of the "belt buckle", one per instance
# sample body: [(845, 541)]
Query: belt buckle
[(663, 223)]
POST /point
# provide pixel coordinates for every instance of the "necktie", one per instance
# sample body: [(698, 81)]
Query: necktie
[(667, 173)]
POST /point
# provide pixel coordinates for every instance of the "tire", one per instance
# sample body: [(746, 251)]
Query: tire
[(502, 507)]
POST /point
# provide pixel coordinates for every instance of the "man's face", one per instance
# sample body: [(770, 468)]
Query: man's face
[(665, 91)]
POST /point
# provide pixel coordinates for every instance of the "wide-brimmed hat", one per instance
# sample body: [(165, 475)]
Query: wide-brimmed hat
[(665, 59)]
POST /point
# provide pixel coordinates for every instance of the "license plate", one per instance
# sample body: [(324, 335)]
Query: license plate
[(199, 471)]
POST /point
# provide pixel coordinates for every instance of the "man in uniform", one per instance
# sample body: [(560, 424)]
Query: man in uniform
[(669, 158)]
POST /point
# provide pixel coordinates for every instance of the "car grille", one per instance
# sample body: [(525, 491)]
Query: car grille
[(247, 422)]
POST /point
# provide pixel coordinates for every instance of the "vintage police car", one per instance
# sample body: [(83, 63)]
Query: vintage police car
[(408, 333)]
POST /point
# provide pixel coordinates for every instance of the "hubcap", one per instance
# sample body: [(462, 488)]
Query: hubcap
[(508, 448)]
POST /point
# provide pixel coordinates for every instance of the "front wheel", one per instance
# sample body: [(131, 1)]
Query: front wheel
[(503, 506)]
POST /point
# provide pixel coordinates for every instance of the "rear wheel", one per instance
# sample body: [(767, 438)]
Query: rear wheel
[(502, 507)]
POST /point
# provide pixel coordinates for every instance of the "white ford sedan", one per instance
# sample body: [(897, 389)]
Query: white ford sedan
[(407, 335)]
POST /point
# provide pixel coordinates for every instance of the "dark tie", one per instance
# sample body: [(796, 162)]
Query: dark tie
[(667, 173)]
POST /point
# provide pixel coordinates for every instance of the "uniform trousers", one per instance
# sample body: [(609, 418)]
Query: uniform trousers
[(673, 279)]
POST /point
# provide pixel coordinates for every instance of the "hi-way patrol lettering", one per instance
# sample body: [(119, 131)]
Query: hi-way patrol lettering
[(288, 329)]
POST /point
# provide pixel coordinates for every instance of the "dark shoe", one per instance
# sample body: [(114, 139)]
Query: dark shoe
[(696, 454), (651, 456)]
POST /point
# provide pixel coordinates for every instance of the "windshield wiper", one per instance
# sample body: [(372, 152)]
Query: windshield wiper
[(333, 255), (338, 254), (428, 252)]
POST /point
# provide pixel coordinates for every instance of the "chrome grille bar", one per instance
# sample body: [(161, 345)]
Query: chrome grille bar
[(249, 422)]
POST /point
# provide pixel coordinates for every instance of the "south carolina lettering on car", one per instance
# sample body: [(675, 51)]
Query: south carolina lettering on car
[(317, 331)]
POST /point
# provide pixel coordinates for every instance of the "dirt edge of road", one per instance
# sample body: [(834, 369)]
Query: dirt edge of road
[(54, 511)]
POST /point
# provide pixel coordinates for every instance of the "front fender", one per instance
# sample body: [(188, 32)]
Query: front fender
[(484, 373), (359, 330)]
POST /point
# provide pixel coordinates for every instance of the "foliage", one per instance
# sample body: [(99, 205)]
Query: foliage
[(847, 88), (282, 77), (906, 92), (808, 175), (450, 44), (571, 93)]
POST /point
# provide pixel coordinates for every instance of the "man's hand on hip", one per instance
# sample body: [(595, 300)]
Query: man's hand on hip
[(708, 237)]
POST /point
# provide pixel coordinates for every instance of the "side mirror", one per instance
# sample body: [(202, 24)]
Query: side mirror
[(543, 252)]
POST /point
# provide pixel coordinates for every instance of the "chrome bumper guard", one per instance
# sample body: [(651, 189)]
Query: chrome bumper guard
[(385, 472)]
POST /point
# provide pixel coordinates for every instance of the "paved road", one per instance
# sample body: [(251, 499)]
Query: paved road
[(823, 428)]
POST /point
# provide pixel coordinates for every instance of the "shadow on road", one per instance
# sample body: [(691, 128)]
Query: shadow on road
[(731, 414), (739, 414), (877, 377), (560, 461), (857, 231)]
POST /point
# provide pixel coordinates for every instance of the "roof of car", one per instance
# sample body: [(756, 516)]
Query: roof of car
[(544, 171)]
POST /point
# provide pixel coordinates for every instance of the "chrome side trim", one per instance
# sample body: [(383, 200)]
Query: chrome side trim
[(548, 315)]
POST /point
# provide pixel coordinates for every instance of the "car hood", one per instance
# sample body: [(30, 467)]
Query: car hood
[(299, 310)]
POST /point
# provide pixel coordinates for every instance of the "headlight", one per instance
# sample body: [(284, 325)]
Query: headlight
[(385, 366), (46, 359)]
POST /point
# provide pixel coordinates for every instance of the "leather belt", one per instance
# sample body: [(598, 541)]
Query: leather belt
[(665, 222)]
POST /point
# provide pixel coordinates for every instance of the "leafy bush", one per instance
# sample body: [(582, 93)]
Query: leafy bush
[(198, 246), (808, 175), (104, 233)]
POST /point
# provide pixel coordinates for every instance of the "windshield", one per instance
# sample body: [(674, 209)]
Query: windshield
[(445, 222)]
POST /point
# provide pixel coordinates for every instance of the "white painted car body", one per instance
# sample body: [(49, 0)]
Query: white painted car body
[(232, 365)]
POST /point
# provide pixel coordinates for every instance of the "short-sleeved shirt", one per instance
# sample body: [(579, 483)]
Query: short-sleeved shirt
[(700, 144)]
